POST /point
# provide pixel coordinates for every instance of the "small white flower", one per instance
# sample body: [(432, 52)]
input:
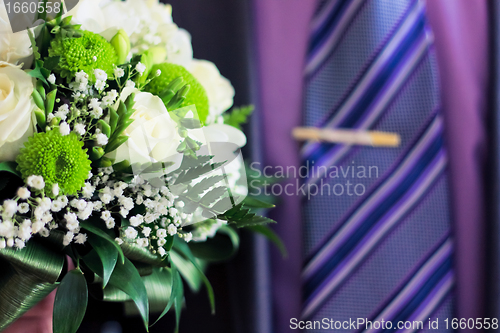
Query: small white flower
[(55, 189), (36, 182), (124, 212), (88, 190), (142, 242), (10, 242), (52, 78), (47, 217), (80, 129), (37, 226), (57, 206), (146, 231), (161, 233), (161, 251), (71, 221), (110, 223), (68, 238), (119, 241), (140, 67), (105, 215), (3, 244), (64, 129), (9, 207), (162, 241), (131, 233), (105, 198), (97, 205), (136, 220), (94, 58), (188, 237), (95, 106), (63, 200), (179, 204), (7, 229), (80, 204), (25, 230), (119, 72), (39, 211), (102, 139), (130, 84), (100, 74), (64, 109), (85, 214), (158, 72), (172, 230), (149, 218), (23, 193), (20, 244), (81, 76), (23, 208), (100, 85), (44, 232), (81, 238)]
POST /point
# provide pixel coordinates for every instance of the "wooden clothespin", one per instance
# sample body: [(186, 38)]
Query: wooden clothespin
[(347, 136)]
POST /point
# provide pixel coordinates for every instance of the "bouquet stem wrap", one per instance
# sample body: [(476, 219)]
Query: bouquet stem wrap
[(27, 276)]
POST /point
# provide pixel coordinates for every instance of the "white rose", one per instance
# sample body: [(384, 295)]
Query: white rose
[(148, 23), (219, 90), (13, 46), (153, 135), (16, 110)]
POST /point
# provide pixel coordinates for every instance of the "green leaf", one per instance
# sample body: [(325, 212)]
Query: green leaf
[(107, 253), (183, 248), (33, 44), (51, 62), (87, 225), (39, 72), (251, 202), (177, 291), (272, 236), (213, 195), (254, 220), (219, 248), (70, 303), (204, 185), (238, 116), (187, 270), (190, 123), (126, 278), (10, 167)]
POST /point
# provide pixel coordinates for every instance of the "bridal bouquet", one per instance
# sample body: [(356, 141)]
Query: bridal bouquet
[(115, 151)]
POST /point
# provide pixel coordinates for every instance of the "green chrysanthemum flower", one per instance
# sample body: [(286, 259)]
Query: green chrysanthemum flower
[(58, 159), (77, 54), (197, 94)]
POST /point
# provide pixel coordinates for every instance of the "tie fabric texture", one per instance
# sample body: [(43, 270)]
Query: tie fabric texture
[(377, 240)]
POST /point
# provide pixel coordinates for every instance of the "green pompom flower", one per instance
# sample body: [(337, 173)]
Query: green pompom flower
[(197, 94), (86, 53), (58, 159)]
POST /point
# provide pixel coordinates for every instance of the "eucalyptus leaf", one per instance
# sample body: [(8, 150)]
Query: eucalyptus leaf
[(89, 226), (107, 253), (183, 248), (272, 236), (126, 278), (70, 303)]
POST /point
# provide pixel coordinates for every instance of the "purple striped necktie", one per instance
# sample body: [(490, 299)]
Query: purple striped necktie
[(377, 220)]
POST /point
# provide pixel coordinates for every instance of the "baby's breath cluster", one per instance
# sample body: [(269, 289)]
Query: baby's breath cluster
[(148, 214)]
